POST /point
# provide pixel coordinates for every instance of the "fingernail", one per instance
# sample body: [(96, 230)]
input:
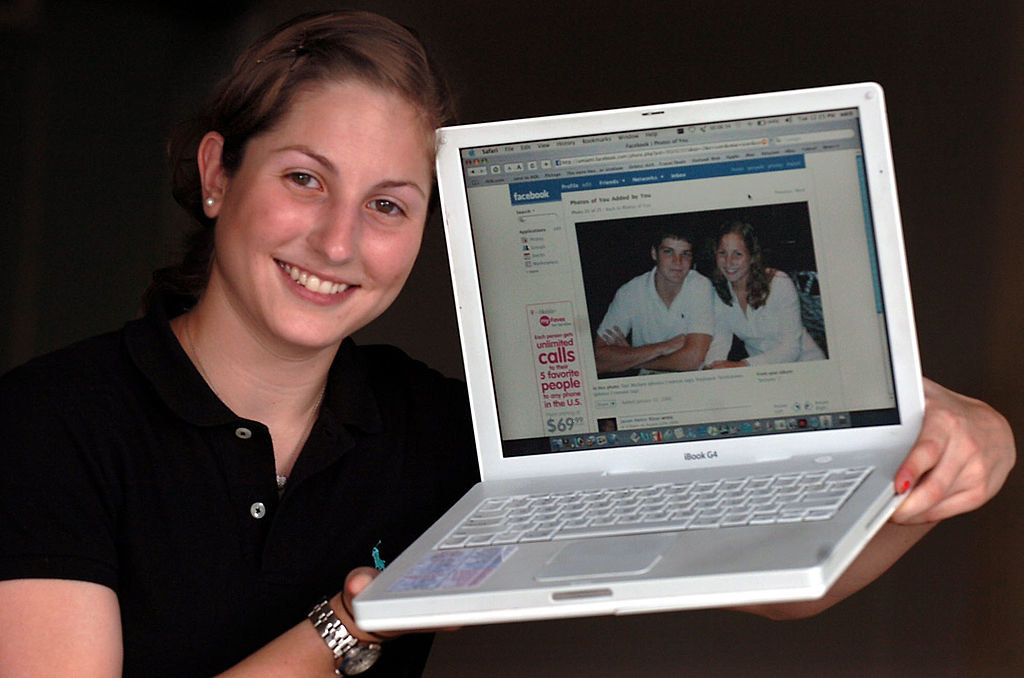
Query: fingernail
[(902, 486)]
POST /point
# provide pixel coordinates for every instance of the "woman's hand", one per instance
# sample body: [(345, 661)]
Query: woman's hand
[(960, 460), (357, 580)]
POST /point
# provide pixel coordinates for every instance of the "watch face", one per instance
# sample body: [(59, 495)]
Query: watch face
[(359, 658)]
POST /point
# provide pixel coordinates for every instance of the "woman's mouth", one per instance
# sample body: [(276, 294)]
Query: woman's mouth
[(312, 282)]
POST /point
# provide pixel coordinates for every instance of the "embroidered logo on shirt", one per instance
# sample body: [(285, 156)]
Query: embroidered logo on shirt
[(378, 562)]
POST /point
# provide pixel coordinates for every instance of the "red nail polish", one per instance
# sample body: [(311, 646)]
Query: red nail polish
[(903, 487)]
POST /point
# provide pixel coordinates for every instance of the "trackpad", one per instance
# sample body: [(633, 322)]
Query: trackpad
[(606, 557)]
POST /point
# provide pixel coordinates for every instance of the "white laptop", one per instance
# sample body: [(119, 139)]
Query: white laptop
[(640, 490)]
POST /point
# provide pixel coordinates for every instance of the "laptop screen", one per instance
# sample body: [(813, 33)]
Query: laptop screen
[(680, 283)]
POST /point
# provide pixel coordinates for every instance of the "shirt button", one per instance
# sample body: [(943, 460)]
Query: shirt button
[(243, 433), (258, 510)]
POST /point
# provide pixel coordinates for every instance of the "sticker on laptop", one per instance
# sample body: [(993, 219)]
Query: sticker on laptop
[(456, 569)]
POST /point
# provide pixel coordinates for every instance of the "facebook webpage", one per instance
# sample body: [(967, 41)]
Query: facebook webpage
[(680, 283)]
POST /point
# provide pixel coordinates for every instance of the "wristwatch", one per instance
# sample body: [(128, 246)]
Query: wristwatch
[(351, 657)]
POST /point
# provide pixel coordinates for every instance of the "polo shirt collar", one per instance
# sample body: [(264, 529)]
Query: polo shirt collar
[(154, 348)]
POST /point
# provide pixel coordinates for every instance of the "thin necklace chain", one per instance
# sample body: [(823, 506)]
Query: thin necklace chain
[(282, 480)]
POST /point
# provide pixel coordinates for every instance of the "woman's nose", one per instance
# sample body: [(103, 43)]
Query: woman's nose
[(337, 234)]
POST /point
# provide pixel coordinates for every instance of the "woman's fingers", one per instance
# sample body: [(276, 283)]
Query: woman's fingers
[(960, 460), (357, 580)]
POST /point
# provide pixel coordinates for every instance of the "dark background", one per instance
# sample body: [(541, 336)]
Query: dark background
[(91, 88)]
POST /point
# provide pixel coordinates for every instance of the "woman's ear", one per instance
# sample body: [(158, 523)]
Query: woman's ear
[(212, 175)]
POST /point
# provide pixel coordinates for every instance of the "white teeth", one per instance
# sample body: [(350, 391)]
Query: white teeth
[(313, 283)]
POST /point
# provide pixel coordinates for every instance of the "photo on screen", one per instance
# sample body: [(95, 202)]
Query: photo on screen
[(616, 254)]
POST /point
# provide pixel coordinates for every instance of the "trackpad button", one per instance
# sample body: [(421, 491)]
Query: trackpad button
[(606, 557)]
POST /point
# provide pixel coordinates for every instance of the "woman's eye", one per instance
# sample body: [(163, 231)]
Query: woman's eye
[(385, 206), (304, 179)]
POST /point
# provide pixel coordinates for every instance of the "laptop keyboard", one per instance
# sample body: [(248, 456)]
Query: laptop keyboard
[(729, 502)]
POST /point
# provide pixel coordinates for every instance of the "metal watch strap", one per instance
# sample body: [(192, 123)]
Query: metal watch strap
[(340, 642)]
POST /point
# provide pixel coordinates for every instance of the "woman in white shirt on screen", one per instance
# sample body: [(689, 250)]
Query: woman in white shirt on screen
[(758, 305)]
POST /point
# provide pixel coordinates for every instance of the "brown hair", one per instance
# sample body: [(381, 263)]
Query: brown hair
[(758, 285), (311, 48), (680, 233)]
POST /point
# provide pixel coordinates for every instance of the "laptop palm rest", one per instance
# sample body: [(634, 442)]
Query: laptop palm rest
[(606, 557)]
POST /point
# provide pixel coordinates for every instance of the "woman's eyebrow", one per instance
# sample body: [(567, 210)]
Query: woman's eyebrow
[(306, 150), (394, 183)]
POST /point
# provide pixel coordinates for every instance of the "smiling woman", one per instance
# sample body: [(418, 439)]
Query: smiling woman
[(755, 304), (353, 47), (317, 229), (303, 459)]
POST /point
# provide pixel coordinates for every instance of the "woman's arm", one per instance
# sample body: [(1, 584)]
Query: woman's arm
[(300, 652), (779, 320), (959, 462), (59, 627)]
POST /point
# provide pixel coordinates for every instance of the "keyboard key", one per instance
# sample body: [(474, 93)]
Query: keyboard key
[(479, 539), (763, 517), (735, 519), (453, 542), (705, 522), (542, 534), (508, 537)]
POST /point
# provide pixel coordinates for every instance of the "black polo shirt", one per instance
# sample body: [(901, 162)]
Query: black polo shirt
[(121, 467)]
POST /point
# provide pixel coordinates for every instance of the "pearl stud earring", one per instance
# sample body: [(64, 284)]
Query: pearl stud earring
[(210, 201)]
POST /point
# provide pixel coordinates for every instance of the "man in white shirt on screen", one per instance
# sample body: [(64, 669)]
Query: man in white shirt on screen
[(661, 320)]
